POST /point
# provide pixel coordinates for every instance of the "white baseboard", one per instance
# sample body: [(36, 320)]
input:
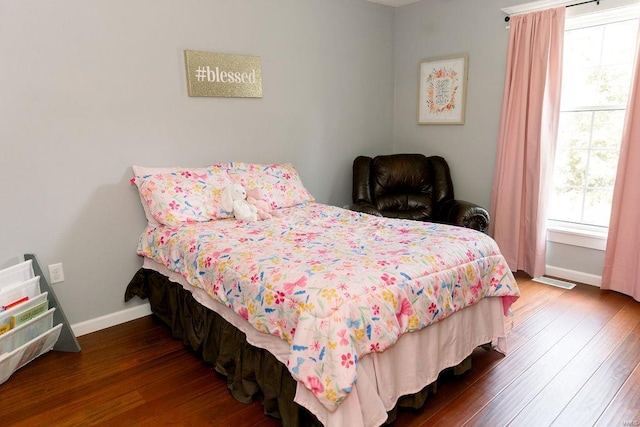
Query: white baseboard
[(112, 319), (575, 276)]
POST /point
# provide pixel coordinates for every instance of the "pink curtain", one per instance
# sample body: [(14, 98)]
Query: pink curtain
[(527, 139), (622, 258)]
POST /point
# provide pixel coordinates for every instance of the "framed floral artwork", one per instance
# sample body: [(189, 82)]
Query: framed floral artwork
[(442, 90)]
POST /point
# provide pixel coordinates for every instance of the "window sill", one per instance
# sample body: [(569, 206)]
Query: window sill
[(576, 237)]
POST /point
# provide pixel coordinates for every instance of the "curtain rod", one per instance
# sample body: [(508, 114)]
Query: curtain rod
[(597, 2)]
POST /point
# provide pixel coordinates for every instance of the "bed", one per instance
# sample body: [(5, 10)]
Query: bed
[(345, 312)]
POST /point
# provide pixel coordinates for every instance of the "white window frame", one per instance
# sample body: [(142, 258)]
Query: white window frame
[(582, 235)]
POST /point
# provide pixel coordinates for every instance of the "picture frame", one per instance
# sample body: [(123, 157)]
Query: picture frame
[(443, 90)]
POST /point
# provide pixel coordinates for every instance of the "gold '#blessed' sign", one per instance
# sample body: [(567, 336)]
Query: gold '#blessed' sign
[(223, 74)]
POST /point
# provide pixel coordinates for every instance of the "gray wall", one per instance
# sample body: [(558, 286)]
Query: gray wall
[(90, 88), (436, 28), (586, 261)]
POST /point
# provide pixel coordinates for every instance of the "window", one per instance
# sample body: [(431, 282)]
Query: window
[(597, 68)]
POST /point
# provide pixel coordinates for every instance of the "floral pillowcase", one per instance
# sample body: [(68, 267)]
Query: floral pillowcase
[(172, 196)]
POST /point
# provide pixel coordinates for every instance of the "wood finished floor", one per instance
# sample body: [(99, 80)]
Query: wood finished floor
[(574, 360)]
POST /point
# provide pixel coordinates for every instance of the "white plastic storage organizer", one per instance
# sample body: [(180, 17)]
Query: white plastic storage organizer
[(27, 317)]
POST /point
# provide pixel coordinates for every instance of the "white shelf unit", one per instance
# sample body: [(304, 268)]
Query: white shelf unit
[(48, 330)]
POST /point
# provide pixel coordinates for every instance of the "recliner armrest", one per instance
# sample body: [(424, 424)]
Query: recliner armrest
[(465, 214), (365, 207)]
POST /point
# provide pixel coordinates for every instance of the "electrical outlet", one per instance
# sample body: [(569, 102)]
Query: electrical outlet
[(56, 274)]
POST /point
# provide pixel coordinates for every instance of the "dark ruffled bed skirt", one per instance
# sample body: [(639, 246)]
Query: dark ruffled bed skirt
[(251, 372)]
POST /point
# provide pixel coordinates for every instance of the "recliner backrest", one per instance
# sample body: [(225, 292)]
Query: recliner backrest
[(402, 182)]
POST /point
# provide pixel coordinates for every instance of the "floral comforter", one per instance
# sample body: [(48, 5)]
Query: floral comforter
[(334, 284)]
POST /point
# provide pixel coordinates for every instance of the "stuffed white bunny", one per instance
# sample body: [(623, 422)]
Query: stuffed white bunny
[(234, 199)]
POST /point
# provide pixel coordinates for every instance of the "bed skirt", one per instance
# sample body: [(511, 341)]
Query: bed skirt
[(251, 372)]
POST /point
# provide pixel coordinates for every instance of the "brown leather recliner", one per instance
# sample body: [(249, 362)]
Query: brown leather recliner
[(412, 186)]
